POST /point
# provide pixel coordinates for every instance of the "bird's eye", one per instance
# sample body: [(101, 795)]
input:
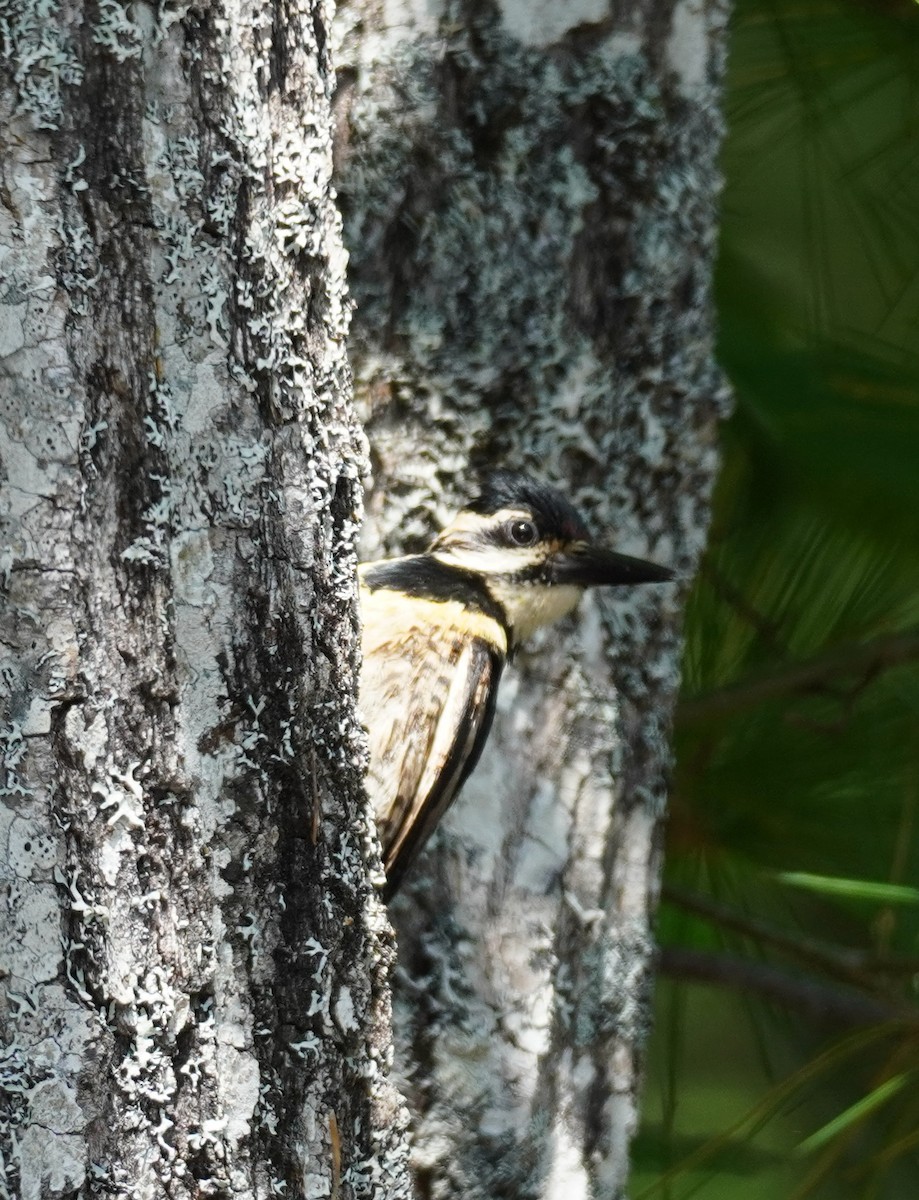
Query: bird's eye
[(522, 533)]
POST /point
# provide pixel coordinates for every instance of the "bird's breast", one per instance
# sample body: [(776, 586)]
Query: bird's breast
[(392, 617)]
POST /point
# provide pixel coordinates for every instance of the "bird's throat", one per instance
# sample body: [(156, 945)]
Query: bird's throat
[(531, 606)]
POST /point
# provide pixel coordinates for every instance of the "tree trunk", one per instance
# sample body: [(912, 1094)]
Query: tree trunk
[(194, 963), (529, 195)]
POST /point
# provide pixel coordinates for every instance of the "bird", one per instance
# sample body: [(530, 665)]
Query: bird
[(437, 631)]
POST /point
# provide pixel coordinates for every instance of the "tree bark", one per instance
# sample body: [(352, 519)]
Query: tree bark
[(193, 962), (529, 195)]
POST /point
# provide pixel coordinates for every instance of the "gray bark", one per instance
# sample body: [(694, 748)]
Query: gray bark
[(530, 200), (193, 964)]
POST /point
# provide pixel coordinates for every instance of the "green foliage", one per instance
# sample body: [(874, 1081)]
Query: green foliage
[(793, 852), (854, 889)]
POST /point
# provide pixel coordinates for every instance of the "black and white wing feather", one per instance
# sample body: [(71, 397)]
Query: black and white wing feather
[(427, 696)]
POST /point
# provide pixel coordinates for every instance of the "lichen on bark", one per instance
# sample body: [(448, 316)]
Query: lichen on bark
[(196, 964), (532, 229)]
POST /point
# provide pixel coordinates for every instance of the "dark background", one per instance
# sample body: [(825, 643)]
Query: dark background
[(785, 1057)]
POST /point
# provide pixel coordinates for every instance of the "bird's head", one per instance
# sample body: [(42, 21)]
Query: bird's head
[(530, 548)]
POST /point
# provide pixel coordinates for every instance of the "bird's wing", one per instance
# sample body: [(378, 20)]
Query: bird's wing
[(427, 696)]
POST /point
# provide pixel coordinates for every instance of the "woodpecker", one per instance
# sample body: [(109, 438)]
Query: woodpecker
[(437, 630)]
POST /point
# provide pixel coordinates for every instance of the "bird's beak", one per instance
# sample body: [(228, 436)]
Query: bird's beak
[(592, 566)]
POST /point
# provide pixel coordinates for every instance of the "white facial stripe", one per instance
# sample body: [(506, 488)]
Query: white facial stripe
[(512, 514), (466, 544), (474, 523), (491, 560)]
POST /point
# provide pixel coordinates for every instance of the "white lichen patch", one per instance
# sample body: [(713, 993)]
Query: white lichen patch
[(688, 46), (239, 1077), (31, 850), (116, 32), (567, 1175), (344, 1011), (49, 1163), (47, 1149), (12, 331), (45, 61), (192, 566), (32, 946), (545, 22)]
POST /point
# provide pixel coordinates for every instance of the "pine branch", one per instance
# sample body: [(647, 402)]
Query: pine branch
[(806, 996), (865, 661)]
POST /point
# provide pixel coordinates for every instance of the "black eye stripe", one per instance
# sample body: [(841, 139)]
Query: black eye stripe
[(502, 535)]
